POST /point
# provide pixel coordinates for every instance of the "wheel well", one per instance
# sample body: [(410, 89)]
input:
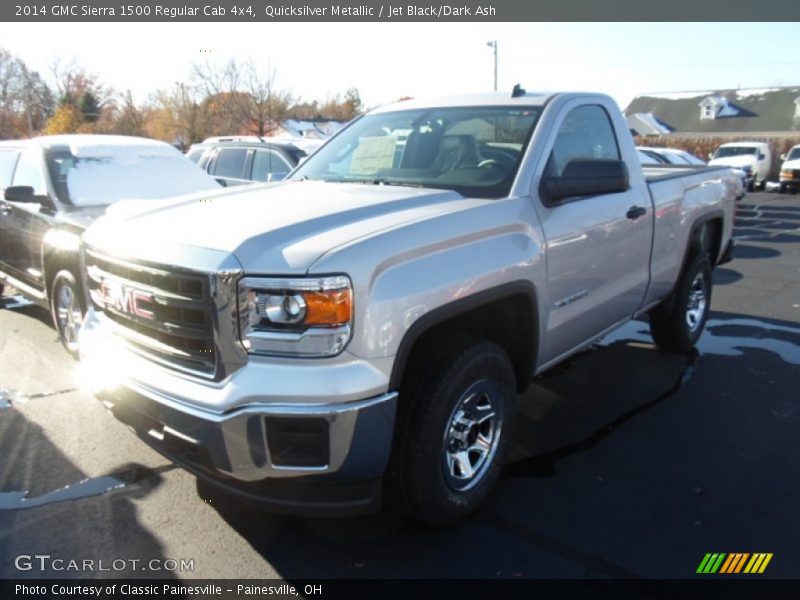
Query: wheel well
[(508, 321), (707, 237), (58, 261)]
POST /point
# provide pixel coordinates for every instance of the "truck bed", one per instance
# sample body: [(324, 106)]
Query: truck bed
[(662, 172)]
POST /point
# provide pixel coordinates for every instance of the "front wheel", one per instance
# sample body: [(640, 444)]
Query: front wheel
[(67, 310), (677, 323), (454, 423)]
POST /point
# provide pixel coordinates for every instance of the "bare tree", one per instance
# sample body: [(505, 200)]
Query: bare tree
[(9, 92), (177, 116), (83, 89), (129, 119), (245, 94), (37, 99), (343, 109), (26, 101)]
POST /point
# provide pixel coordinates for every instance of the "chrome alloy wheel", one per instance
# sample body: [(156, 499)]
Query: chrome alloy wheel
[(696, 306), (472, 435), (68, 315)]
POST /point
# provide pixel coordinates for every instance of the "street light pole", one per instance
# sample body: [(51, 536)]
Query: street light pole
[(493, 46)]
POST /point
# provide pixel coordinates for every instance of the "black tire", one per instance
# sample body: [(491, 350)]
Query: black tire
[(751, 187), (782, 189), (67, 309), (677, 323), (444, 423)]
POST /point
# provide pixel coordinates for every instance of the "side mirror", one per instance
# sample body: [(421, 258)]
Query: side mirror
[(783, 156), (710, 156), (276, 177), (761, 157), (588, 177), (21, 193)]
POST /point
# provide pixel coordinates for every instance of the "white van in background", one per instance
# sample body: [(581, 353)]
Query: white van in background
[(754, 158)]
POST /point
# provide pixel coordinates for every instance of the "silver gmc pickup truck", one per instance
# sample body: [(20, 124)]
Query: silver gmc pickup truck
[(361, 330)]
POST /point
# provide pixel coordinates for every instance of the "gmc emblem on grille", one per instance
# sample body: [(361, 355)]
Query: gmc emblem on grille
[(126, 300)]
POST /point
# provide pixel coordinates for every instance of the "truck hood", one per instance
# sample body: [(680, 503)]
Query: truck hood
[(79, 218), (279, 228), (791, 164), (734, 161)]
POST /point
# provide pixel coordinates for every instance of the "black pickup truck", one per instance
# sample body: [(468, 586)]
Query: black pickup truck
[(54, 187)]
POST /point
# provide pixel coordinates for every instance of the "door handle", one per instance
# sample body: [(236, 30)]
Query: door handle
[(634, 212)]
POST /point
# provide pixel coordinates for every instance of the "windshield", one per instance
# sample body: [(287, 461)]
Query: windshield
[(735, 151), (124, 173), (794, 154), (475, 151)]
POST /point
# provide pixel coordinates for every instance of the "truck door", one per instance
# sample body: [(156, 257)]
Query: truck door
[(598, 247), (25, 223), (8, 160)]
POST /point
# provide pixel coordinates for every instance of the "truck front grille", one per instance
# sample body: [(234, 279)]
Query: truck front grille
[(163, 313)]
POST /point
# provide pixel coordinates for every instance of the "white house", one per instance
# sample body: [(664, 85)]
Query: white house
[(714, 107)]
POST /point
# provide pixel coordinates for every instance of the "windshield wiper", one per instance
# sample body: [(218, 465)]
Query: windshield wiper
[(383, 181)]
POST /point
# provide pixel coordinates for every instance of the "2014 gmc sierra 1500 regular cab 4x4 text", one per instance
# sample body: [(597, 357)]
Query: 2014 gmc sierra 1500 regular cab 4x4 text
[(362, 329)]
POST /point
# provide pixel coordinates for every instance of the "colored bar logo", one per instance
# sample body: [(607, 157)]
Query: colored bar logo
[(733, 563)]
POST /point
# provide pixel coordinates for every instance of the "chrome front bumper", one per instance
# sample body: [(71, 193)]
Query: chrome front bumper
[(306, 438), (232, 451), (236, 445)]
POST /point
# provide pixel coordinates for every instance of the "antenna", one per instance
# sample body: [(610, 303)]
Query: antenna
[(517, 91)]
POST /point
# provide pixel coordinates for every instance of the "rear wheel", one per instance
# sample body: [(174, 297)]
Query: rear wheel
[(455, 419), (66, 307), (677, 323)]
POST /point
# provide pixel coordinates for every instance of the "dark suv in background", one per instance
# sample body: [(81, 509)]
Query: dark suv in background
[(54, 187), (238, 162)]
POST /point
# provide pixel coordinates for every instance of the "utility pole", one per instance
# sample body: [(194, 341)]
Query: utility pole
[(493, 46)]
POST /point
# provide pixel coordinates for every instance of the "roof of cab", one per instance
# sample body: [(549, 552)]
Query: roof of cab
[(745, 144), (88, 140), (491, 99)]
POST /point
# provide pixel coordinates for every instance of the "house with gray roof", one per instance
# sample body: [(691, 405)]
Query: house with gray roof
[(717, 111)]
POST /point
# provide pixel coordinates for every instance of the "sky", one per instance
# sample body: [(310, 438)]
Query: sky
[(387, 61)]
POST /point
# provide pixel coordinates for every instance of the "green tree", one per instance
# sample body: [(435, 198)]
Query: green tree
[(89, 107)]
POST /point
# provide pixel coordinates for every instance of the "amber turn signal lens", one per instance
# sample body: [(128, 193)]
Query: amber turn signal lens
[(328, 308)]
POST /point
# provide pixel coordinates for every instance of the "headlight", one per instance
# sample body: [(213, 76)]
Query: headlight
[(295, 317)]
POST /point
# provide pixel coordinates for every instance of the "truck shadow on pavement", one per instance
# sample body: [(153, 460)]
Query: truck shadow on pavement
[(617, 447), (102, 526)]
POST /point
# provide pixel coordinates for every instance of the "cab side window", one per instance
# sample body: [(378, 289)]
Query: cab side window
[(8, 160), (29, 172), (586, 133)]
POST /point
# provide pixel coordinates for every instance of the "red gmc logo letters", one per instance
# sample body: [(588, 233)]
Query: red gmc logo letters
[(126, 300)]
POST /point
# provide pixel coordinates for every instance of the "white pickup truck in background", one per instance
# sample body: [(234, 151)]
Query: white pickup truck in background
[(789, 179), (754, 158), (361, 329)]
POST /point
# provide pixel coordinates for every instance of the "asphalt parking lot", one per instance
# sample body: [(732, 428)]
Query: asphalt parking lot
[(627, 462)]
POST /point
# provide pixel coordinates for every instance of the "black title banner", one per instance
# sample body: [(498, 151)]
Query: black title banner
[(397, 10)]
